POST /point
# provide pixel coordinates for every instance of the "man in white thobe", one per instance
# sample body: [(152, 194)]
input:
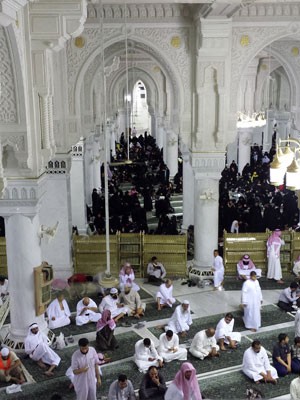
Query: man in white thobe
[(58, 312), (218, 270), (252, 301), (204, 344), (84, 365), (274, 244), (3, 286), (37, 347), (111, 303), (295, 389), (224, 332), (181, 319), (146, 355), (245, 266), (164, 295), (256, 364), (169, 348), (86, 311)]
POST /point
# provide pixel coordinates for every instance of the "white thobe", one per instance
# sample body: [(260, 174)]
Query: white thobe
[(252, 298), (108, 303), (165, 345), (84, 383), (143, 353), (128, 280), (246, 272), (296, 268), (274, 266), (218, 271), (180, 320), (224, 330), (61, 316), (202, 345), (256, 363), (36, 346), (173, 393), (165, 295), (295, 389), (88, 315), (297, 323)]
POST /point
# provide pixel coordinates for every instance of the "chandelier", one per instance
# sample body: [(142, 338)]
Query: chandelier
[(285, 164)]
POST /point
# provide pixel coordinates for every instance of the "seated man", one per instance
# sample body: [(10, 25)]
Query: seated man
[(296, 268), (245, 266), (58, 312), (127, 277), (256, 364), (288, 298), (10, 367), (282, 359), (86, 311), (155, 271), (38, 349), (3, 286), (165, 295), (132, 300), (204, 344), (185, 384), (146, 355), (153, 385), (111, 303), (181, 319), (224, 332), (121, 389), (169, 348)]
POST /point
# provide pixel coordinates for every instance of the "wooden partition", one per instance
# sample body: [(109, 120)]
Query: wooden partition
[(137, 248), (255, 244), (3, 259)]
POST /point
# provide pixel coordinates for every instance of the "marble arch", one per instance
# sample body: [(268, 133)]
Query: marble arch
[(155, 53)]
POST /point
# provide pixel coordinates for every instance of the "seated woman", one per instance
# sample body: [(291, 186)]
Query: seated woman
[(127, 277), (105, 338), (245, 266), (153, 385)]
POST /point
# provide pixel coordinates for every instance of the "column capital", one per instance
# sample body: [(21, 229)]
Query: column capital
[(20, 196), (208, 164), (9, 9)]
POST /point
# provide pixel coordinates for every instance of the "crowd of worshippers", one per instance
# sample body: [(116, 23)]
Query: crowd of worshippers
[(149, 177), (249, 203)]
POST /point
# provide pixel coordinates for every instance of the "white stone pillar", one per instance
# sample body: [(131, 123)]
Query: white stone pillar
[(19, 207), (172, 152), (78, 187), (96, 164), (207, 169), (56, 208), (89, 171), (121, 121), (245, 142), (188, 192), (160, 133)]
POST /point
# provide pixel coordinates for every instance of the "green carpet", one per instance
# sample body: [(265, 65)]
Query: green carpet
[(270, 315), (232, 283), (126, 349)]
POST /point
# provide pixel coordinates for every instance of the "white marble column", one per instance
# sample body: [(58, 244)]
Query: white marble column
[(56, 208), (19, 207), (121, 121), (206, 211), (160, 133), (78, 200), (89, 170), (96, 163), (207, 168), (245, 142), (188, 192), (172, 152)]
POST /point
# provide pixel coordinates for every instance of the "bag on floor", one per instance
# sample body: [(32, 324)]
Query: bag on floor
[(60, 341), (253, 394)]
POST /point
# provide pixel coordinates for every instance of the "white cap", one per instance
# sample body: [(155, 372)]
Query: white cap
[(113, 290), (186, 302), (4, 352)]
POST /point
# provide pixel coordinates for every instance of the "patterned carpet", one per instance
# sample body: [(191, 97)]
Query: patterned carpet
[(232, 283)]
